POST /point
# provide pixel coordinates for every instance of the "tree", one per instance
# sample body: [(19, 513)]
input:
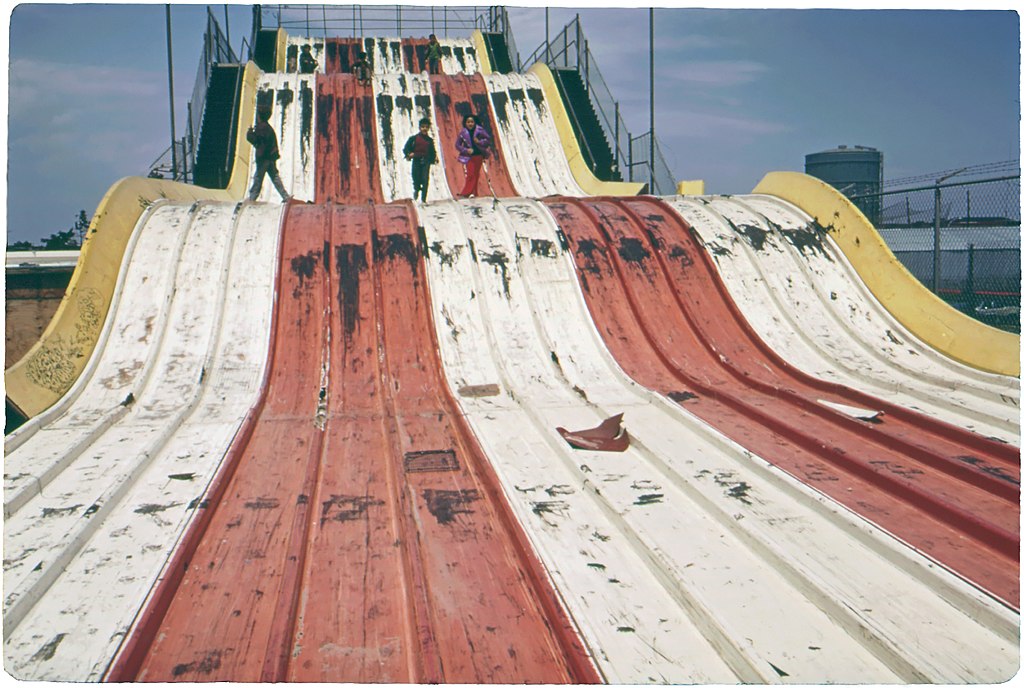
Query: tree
[(61, 241), (70, 239)]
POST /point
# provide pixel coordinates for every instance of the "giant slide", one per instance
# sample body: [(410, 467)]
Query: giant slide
[(323, 442)]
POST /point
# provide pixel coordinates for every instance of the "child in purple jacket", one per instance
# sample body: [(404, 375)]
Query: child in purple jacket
[(473, 144)]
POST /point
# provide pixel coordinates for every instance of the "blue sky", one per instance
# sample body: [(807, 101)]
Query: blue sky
[(738, 93)]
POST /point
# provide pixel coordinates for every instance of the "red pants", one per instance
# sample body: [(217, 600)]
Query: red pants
[(472, 175)]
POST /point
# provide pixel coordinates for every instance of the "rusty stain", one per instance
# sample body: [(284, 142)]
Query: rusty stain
[(476, 391)]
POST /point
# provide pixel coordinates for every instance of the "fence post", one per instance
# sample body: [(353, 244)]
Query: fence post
[(936, 242), (971, 296)]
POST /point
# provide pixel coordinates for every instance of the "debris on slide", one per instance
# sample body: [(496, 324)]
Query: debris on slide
[(608, 436)]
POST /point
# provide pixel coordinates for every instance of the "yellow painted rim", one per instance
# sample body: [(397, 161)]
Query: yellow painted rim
[(590, 184), (919, 310), (51, 366)]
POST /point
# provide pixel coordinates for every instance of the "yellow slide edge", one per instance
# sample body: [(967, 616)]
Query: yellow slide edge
[(923, 313), (590, 184), (482, 58), (51, 366)]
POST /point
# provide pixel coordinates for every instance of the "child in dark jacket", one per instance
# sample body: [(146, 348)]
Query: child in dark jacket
[(420, 149), (307, 63), (362, 69), (264, 140)]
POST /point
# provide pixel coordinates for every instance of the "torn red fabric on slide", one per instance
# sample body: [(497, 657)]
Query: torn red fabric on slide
[(608, 436)]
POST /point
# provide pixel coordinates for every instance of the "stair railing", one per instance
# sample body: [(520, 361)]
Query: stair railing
[(570, 50)]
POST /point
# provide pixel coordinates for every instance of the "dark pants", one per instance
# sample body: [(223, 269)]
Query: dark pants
[(434, 65), (420, 178), (264, 168)]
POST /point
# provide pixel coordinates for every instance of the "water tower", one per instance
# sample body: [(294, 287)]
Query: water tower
[(854, 171)]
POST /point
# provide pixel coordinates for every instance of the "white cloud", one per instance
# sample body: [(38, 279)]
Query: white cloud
[(691, 124), (723, 73)]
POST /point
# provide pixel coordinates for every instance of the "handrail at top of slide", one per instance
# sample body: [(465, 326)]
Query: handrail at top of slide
[(51, 366), (923, 313)]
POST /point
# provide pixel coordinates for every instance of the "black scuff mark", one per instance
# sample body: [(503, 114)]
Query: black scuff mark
[(893, 338), (304, 267), (536, 96), (350, 261), (481, 110), (778, 671), (446, 258), (898, 469), (263, 503), (500, 101), (680, 397), (404, 104), (499, 261), (543, 247), (207, 665), (756, 236), (442, 101), (633, 250), (446, 505), (182, 476), (385, 106), (396, 247), (49, 512), (682, 255), (648, 499), (422, 104), (47, 651), (994, 471), (556, 506), (460, 56), (809, 240), (91, 510), (345, 508), (155, 508), (285, 97), (580, 392), (595, 565), (306, 123), (626, 629)]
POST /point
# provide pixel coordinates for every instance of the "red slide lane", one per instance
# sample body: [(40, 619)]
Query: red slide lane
[(455, 97), (339, 54), (378, 548), (346, 142), (666, 318)]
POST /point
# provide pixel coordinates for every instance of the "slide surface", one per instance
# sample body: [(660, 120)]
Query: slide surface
[(911, 303), (327, 442)]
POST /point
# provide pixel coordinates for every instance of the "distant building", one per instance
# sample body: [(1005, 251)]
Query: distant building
[(855, 172)]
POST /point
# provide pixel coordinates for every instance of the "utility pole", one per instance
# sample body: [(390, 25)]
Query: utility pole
[(651, 22), (170, 86)]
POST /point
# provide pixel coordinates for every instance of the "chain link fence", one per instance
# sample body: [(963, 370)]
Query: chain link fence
[(962, 240)]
